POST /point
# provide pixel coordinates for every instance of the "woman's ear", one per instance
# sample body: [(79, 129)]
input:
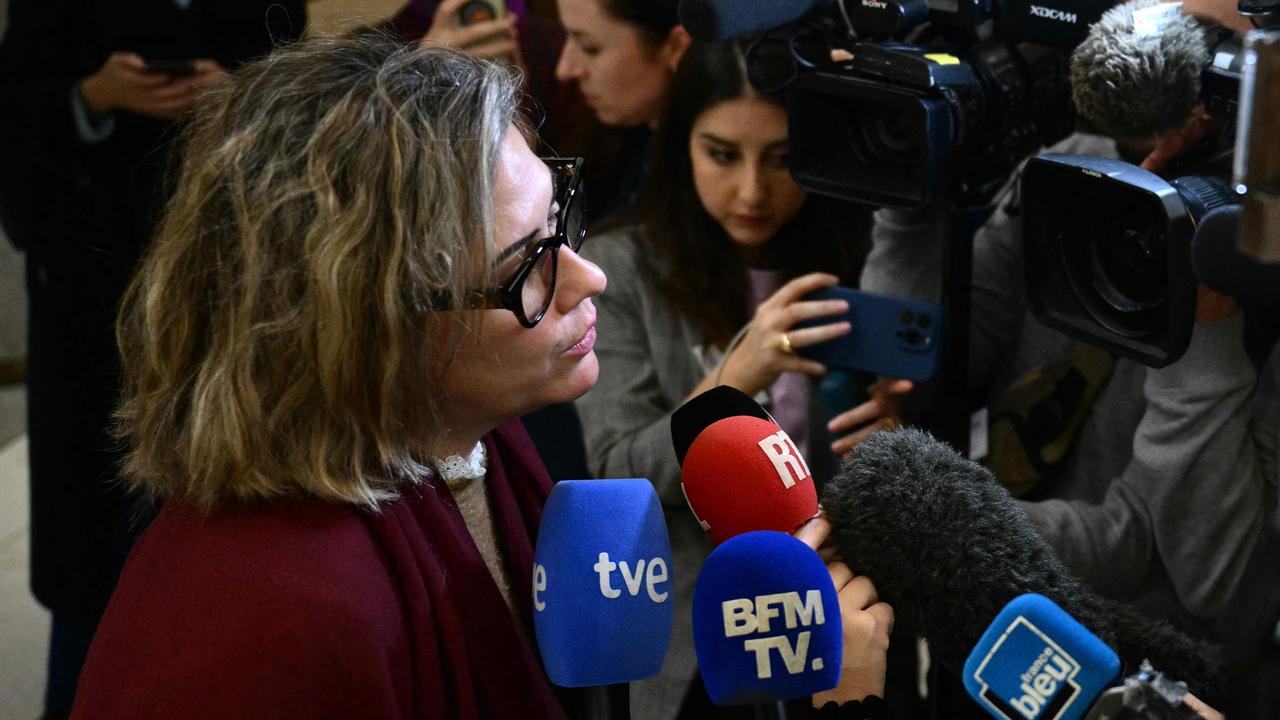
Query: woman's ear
[(674, 47)]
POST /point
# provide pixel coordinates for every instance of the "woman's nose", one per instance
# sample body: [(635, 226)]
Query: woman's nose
[(567, 66), (579, 278)]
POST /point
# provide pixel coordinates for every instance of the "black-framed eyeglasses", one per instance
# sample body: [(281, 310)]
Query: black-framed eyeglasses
[(528, 291)]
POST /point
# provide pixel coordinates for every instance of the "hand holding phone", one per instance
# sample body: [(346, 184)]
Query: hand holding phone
[(126, 83), (785, 324), (891, 336), (173, 68), (480, 28)]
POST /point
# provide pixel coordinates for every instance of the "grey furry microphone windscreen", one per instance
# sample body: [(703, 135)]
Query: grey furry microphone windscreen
[(947, 546), (1135, 80)]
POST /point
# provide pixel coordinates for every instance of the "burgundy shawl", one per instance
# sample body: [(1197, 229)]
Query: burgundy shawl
[(302, 608)]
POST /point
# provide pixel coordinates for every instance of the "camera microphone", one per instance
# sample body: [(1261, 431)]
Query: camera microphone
[(1137, 75), (714, 20)]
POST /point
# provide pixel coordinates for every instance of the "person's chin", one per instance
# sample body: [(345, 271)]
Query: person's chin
[(616, 118), (582, 378)]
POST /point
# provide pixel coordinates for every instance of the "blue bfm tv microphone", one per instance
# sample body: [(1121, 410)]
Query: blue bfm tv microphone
[(602, 586), (1037, 662), (766, 621)]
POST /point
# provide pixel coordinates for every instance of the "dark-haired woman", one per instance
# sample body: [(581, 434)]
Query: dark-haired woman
[(722, 239)]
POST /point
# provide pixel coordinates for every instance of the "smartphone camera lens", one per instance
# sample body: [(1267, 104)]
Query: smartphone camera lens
[(906, 317), (925, 321)]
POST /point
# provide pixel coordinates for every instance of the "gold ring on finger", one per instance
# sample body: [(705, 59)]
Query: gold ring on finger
[(784, 344)]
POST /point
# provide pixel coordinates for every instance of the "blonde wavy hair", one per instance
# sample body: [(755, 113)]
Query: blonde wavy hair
[(271, 343)]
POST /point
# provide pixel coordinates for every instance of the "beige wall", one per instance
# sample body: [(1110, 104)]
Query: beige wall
[(13, 296), (335, 16)]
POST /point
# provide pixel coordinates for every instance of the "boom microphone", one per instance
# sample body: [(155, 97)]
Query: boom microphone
[(947, 545), (742, 474), (766, 621), (602, 587), (1137, 73), (713, 20)]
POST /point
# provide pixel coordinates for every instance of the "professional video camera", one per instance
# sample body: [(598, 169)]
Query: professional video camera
[(1114, 253), (939, 99)]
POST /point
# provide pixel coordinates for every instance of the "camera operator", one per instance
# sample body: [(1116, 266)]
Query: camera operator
[(1169, 484)]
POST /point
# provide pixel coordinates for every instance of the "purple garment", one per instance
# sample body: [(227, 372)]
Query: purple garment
[(789, 395)]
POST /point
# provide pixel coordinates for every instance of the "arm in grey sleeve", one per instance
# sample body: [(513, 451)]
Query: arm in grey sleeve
[(906, 258), (998, 297), (91, 127), (906, 253), (626, 421), (1191, 498)]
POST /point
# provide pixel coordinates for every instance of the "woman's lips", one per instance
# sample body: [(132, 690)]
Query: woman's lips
[(751, 221), (584, 345)]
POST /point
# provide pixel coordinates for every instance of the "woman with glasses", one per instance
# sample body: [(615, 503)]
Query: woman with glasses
[(364, 277), (721, 243)]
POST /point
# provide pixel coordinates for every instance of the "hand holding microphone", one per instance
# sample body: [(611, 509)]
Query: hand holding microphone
[(866, 621)]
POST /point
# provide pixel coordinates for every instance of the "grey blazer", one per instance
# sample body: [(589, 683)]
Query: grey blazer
[(651, 358)]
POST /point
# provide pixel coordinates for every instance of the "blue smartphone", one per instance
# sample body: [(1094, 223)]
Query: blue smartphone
[(890, 336)]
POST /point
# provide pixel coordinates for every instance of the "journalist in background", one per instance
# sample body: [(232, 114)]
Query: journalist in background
[(1153, 484)]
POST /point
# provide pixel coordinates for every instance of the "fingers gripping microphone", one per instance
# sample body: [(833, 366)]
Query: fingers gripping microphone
[(1036, 661), (713, 20), (743, 473), (602, 597), (947, 545), (766, 621)]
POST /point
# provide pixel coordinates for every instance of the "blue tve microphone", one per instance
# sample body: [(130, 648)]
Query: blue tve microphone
[(713, 20), (766, 621), (602, 588), (1037, 662)]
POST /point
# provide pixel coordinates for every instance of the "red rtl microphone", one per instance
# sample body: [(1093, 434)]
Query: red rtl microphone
[(743, 473)]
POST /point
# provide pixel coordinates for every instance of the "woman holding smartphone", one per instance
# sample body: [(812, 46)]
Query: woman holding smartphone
[(721, 243)]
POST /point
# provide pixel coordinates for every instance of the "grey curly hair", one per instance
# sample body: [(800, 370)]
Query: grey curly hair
[(1135, 87)]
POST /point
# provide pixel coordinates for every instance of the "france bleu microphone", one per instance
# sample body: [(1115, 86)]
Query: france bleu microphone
[(766, 621), (602, 586), (1036, 661)]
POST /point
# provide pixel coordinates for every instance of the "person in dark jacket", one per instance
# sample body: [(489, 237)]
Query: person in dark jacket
[(90, 95)]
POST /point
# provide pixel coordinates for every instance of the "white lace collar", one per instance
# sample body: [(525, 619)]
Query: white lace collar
[(456, 469)]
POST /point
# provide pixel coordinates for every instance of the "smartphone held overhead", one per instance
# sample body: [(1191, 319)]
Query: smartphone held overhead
[(478, 11)]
